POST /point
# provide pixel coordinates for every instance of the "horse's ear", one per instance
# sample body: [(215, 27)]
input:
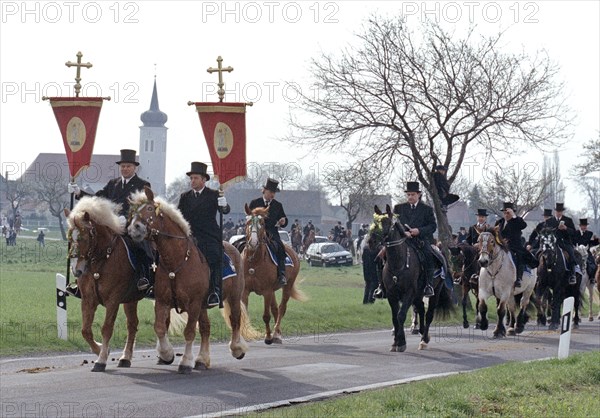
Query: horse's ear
[(388, 210), (247, 209), (67, 212), (377, 210), (86, 217), (149, 193)]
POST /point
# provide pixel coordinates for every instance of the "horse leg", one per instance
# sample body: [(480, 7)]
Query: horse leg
[(557, 298), (512, 319), (132, 326), (400, 337), (482, 318), (275, 315), (163, 345), (267, 316), (237, 345), (415, 321), (427, 323), (465, 297), (88, 311), (476, 309), (394, 306), (500, 330), (107, 331), (285, 297), (189, 334), (203, 358)]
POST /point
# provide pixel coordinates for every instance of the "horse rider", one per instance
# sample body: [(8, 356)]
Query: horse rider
[(534, 241), (295, 225), (337, 231), (564, 232), (307, 228), (510, 227), (274, 220), (118, 190), (199, 207), (443, 187), (586, 237), (419, 223), (478, 228), (362, 232)]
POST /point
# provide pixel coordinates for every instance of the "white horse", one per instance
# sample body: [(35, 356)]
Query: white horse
[(586, 283), (497, 278)]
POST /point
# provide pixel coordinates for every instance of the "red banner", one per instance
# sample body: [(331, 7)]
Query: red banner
[(77, 119), (224, 127)]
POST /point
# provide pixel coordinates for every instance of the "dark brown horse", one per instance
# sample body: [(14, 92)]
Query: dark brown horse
[(297, 239), (104, 274), (309, 239), (465, 270), (261, 274), (181, 282), (404, 285)]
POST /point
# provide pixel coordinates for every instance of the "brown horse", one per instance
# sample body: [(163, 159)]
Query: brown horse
[(182, 280), (309, 239), (104, 274), (297, 239), (465, 268), (261, 273)]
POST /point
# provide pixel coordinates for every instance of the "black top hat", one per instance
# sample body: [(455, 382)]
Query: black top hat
[(507, 205), (547, 212), (199, 168), (440, 167), (272, 185), (412, 186), (583, 221), (128, 156), (482, 212), (560, 207)]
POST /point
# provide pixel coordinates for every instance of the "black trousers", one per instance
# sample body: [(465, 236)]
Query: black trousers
[(279, 249), (212, 253)]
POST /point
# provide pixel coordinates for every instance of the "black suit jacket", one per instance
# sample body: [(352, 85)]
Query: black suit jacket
[(201, 214), (116, 193), (474, 232), (275, 213), (420, 217), (585, 238), (567, 235), (511, 232)]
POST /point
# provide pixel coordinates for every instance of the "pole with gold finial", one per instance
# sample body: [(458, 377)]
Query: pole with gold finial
[(219, 70)]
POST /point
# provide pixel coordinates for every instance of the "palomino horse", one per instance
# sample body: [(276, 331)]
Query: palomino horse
[(404, 288), (465, 270), (497, 278), (104, 274), (586, 282), (261, 273), (181, 282)]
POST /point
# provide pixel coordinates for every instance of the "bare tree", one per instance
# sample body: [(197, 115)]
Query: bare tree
[(399, 97), (17, 193), (52, 191), (310, 182), (354, 188), (522, 186), (590, 187), (180, 185), (551, 171), (591, 156)]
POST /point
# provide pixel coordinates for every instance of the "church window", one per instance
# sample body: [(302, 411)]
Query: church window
[(151, 146), (146, 147)]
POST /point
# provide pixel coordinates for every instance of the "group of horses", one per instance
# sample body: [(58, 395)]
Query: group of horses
[(102, 264)]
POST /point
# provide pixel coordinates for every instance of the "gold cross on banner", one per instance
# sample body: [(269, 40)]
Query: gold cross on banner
[(220, 70), (78, 64)]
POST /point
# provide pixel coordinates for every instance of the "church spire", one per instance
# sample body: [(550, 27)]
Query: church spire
[(154, 117)]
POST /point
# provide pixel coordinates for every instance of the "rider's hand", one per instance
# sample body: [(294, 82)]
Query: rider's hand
[(221, 201), (528, 247), (414, 232), (122, 221), (281, 221), (562, 226), (407, 234), (73, 188)]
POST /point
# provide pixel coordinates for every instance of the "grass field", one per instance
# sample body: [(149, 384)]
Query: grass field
[(550, 388), (28, 305)]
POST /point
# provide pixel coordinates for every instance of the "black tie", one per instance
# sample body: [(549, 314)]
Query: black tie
[(196, 194), (123, 183), (412, 207)]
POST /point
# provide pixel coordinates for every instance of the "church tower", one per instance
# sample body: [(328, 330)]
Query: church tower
[(153, 146)]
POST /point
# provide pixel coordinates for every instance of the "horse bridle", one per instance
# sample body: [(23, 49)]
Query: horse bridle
[(91, 252), (491, 257), (254, 228)]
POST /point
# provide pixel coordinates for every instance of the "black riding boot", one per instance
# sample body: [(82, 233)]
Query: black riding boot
[(429, 271), (572, 278), (519, 274), (281, 272), (215, 296)]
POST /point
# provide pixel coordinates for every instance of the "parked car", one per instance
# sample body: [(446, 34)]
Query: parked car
[(328, 254), (284, 235), (321, 238)]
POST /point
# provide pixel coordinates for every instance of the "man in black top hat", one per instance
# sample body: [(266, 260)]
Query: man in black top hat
[(510, 226), (118, 190), (307, 228), (564, 232), (274, 220), (586, 237), (533, 242), (443, 187), (199, 207), (478, 228)]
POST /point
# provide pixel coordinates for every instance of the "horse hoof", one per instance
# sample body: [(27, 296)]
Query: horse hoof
[(575, 326), (483, 327), (268, 341), (414, 331), (277, 340), (197, 366), (591, 318), (184, 369), (241, 356), (519, 330), (465, 325), (393, 349), (552, 327), (477, 326), (422, 345), (511, 332), (124, 363), (165, 362), (99, 367), (401, 348)]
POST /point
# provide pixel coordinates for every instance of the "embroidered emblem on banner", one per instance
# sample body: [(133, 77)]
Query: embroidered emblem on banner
[(76, 134), (223, 139)]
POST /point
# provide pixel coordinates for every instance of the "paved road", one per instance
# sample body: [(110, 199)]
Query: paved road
[(308, 367)]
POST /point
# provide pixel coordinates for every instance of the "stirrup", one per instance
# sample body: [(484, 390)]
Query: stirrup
[(572, 279), (143, 283), (428, 291), (213, 300), (518, 283), (73, 290), (379, 293)]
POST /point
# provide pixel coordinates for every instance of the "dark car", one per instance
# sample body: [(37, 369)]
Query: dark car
[(328, 254)]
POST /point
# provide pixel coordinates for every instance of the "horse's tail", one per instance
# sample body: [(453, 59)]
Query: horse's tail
[(247, 331), (177, 322), (297, 294), (445, 306)]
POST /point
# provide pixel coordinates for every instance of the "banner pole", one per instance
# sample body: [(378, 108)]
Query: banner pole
[(68, 240)]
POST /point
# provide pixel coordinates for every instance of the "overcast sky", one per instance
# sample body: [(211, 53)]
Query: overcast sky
[(269, 44)]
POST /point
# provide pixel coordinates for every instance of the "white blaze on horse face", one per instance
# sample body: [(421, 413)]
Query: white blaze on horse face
[(484, 257), (137, 229)]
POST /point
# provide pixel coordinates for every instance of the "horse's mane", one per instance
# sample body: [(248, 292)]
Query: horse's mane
[(101, 210), (468, 250), (264, 212), (139, 198)]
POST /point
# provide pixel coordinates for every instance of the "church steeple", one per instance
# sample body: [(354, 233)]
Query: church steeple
[(154, 117)]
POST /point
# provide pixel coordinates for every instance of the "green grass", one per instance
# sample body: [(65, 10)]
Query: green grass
[(550, 388)]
